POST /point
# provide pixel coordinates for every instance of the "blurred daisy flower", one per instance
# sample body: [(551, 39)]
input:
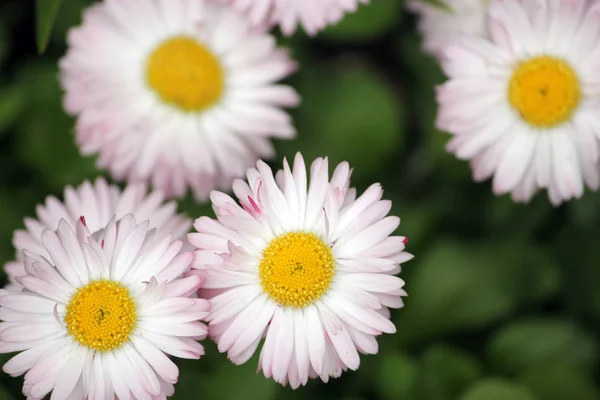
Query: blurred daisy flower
[(180, 92), (99, 312), (441, 24), (313, 15), (97, 203), (303, 264), (523, 105)]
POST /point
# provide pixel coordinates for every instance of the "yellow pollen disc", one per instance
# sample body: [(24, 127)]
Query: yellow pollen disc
[(101, 315), (296, 269), (184, 73), (545, 91)]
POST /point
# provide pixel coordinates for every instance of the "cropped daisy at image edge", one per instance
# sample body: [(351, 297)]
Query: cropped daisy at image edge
[(98, 317), (523, 105), (180, 93)]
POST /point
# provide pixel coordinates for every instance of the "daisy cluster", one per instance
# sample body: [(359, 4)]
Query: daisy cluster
[(521, 99), (108, 284)]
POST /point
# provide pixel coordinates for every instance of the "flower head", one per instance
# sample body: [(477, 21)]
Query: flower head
[(442, 24), (179, 93), (313, 15), (97, 203), (100, 312), (305, 265), (522, 106)]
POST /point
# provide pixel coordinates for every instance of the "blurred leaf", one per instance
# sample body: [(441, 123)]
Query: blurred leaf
[(12, 101), (438, 3), (5, 44), (396, 377), (580, 269), (233, 382), (45, 139), (4, 394), (67, 18), (349, 112), (369, 22), (419, 221), (424, 74), (445, 372), (498, 389), (45, 15), (560, 381), (456, 286), (15, 205), (505, 217), (538, 340), (193, 209)]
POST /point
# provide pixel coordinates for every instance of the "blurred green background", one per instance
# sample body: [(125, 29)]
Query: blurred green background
[(504, 299)]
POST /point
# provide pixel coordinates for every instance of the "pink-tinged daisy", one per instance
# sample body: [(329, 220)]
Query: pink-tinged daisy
[(100, 313), (179, 93), (305, 265), (523, 105), (440, 24), (97, 202), (313, 15)]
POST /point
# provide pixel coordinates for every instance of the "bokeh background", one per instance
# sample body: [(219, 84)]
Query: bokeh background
[(504, 299)]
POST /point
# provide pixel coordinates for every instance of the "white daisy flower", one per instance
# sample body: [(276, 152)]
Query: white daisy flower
[(99, 312), (310, 271), (313, 15), (97, 203), (523, 106), (179, 92), (440, 25)]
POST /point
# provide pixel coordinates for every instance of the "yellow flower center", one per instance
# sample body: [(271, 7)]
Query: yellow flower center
[(101, 315), (545, 91), (186, 74), (296, 269)]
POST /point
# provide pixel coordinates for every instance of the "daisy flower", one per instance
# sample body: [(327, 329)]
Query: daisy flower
[(523, 105), (305, 265), (313, 15), (440, 25), (98, 202), (100, 312), (179, 93)]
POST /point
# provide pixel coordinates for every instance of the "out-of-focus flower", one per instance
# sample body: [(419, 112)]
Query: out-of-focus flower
[(313, 15), (99, 312), (441, 24), (305, 265), (180, 93), (97, 203), (523, 105)]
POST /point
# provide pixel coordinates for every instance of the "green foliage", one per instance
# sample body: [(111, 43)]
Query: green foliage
[(497, 389), (534, 341), (350, 110), (459, 287), (445, 372), (560, 381), (396, 376), (45, 14), (368, 23)]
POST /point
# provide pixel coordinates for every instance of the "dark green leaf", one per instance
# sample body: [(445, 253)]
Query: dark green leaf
[(539, 340), (560, 381), (45, 15), (396, 377), (456, 286), (369, 22), (497, 389), (349, 112), (12, 101), (445, 372)]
